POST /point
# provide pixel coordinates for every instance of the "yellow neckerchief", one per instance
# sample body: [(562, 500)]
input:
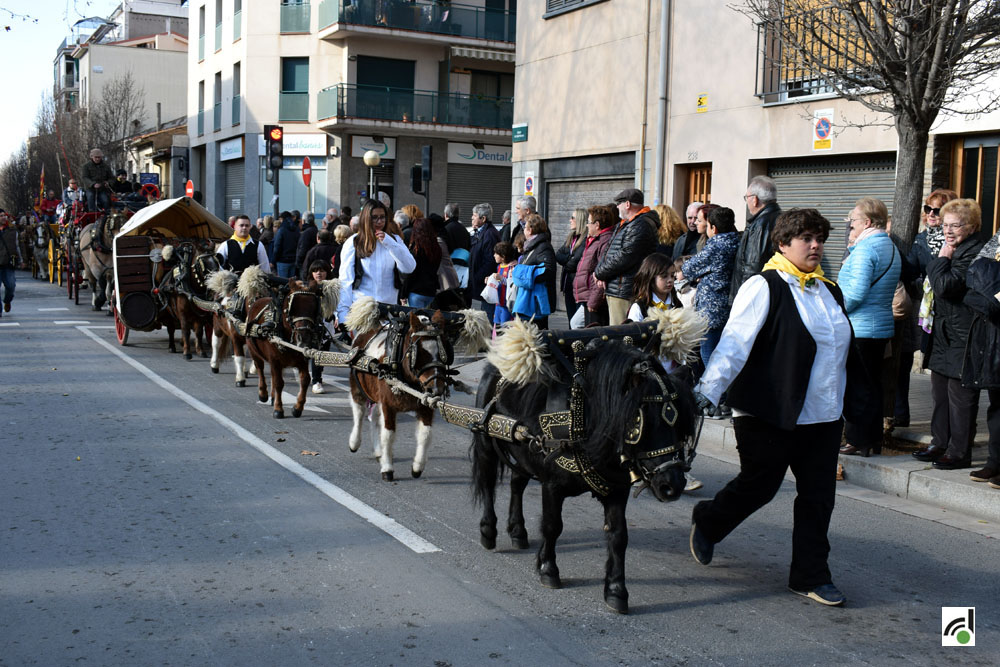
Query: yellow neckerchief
[(779, 262), (662, 305), (242, 240)]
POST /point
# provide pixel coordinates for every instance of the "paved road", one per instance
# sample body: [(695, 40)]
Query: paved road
[(193, 531)]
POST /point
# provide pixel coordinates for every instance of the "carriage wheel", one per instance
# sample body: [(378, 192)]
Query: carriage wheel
[(53, 264), (121, 330), (67, 265), (76, 282)]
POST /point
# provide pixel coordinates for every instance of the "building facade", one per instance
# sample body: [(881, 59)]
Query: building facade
[(343, 78), (698, 125)]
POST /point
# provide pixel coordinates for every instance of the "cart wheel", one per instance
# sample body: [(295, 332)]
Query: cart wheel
[(121, 330), (68, 266), (76, 283), (53, 262)]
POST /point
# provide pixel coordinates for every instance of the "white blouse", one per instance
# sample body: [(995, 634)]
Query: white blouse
[(826, 323), (377, 280)]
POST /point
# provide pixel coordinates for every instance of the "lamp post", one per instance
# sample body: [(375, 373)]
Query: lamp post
[(371, 159)]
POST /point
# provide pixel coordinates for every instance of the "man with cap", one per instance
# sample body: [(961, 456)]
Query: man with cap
[(122, 186), (632, 241), (97, 178)]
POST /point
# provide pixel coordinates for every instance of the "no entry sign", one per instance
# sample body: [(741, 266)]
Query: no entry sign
[(189, 189), (306, 171)]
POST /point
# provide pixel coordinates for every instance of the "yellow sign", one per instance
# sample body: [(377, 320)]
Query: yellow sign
[(702, 105)]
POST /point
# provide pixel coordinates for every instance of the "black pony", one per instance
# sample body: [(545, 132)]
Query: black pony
[(638, 425)]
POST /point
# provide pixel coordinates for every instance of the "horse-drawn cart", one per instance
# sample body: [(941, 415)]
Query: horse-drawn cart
[(139, 261)]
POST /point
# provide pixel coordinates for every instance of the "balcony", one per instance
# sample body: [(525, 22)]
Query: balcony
[(236, 109), (201, 47), (218, 36), (69, 81), (453, 20), (217, 116), (237, 25), (293, 107), (345, 101), (201, 122), (295, 17)]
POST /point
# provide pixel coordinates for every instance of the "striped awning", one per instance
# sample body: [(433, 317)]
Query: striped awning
[(482, 54)]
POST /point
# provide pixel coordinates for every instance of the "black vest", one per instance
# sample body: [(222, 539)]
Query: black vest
[(772, 385), (239, 259)]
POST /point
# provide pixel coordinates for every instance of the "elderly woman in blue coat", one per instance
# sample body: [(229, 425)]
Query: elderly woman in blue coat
[(868, 280)]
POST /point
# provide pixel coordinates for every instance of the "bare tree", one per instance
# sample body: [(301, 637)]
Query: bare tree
[(909, 59), (117, 115), (17, 190)]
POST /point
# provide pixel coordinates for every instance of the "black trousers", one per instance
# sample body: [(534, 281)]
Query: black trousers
[(868, 435), (766, 453), (953, 415), (993, 424)]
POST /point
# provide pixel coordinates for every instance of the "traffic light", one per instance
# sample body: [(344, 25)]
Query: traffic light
[(274, 137), (425, 163), (417, 179)]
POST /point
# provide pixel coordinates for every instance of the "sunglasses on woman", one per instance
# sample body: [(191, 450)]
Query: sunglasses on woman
[(936, 212)]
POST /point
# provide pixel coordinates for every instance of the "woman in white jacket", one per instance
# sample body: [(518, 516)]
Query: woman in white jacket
[(373, 260)]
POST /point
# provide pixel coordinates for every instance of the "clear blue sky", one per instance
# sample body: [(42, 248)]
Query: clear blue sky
[(27, 50)]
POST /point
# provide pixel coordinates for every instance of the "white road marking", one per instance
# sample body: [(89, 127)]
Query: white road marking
[(289, 399), (320, 399), (10, 324), (50, 310), (71, 322), (404, 535)]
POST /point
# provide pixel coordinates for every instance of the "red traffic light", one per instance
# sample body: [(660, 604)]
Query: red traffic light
[(276, 133)]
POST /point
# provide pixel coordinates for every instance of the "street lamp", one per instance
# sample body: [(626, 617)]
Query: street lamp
[(371, 159)]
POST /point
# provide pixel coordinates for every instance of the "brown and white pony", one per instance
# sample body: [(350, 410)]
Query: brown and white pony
[(422, 359), (95, 251), (190, 263), (296, 313), (222, 284)]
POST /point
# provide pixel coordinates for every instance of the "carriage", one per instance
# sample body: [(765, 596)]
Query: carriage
[(139, 263)]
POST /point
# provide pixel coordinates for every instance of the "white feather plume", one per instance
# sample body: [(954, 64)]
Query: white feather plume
[(518, 353), (168, 252), (222, 282), (331, 298), (252, 284), (681, 330), (363, 315), (476, 331)]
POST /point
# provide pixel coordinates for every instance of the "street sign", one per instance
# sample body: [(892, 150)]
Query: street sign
[(519, 132), (823, 130), (189, 189), (306, 171), (529, 183)]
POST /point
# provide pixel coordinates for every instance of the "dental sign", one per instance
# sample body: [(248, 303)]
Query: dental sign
[(298, 144), (499, 156), (386, 148)]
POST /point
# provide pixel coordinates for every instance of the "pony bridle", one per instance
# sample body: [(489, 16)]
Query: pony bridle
[(439, 367), (639, 463), (304, 328)]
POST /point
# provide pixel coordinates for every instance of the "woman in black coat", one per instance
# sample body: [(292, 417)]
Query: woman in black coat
[(953, 416), (982, 363), (568, 256)]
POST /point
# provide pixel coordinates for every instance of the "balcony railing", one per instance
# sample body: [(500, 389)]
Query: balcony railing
[(217, 116), (201, 47), (293, 106), (218, 36), (236, 109), (454, 20), (418, 106), (201, 123), (295, 17), (237, 25), (69, 81)]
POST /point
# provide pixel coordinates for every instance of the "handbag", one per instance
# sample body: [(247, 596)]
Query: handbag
[(490, 293), (902, 304)]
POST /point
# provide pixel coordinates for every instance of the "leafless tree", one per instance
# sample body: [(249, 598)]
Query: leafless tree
[(909, 59), (17, 191), (116, 115)]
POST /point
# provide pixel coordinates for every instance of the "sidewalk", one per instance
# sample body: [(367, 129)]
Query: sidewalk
[(896, 473)]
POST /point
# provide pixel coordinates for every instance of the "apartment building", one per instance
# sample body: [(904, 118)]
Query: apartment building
[(343, 77), (730, 111)]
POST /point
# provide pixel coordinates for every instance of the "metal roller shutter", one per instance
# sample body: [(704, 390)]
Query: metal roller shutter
[(562, 198), (469, 185), (235, 190), (833, 185)]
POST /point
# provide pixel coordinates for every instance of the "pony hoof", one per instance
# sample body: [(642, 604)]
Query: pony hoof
[(616, 604), (296, 412), (489, 543), (262, 399), (279, 414), (187, 357), (550, 580), (215, 370), (416, 473), (241, 383), (519, 542), (387, 476)]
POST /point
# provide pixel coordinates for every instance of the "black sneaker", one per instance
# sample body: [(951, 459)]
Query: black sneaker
[(701, 548), (827, 594)]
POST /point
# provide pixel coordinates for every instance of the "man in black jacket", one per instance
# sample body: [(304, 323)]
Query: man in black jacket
[(632, 241), (524, 207), (688, 244), (755, 243), (459, 243), (307, 240), (482, 264)]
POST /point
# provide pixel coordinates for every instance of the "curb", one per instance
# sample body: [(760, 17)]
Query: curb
[(899, 476)]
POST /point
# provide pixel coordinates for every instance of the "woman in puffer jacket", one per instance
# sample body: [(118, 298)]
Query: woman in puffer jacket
[(868, 280)]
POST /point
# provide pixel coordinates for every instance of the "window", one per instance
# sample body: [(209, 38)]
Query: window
[(293, 104), (237, 87), (218, 25), (201, 108), (557, 7), (201, 33), (217, 107)]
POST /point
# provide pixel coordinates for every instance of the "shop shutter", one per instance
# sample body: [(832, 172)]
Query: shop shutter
[(235, 190), (562, 198), (471, 184), (833, 185)]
